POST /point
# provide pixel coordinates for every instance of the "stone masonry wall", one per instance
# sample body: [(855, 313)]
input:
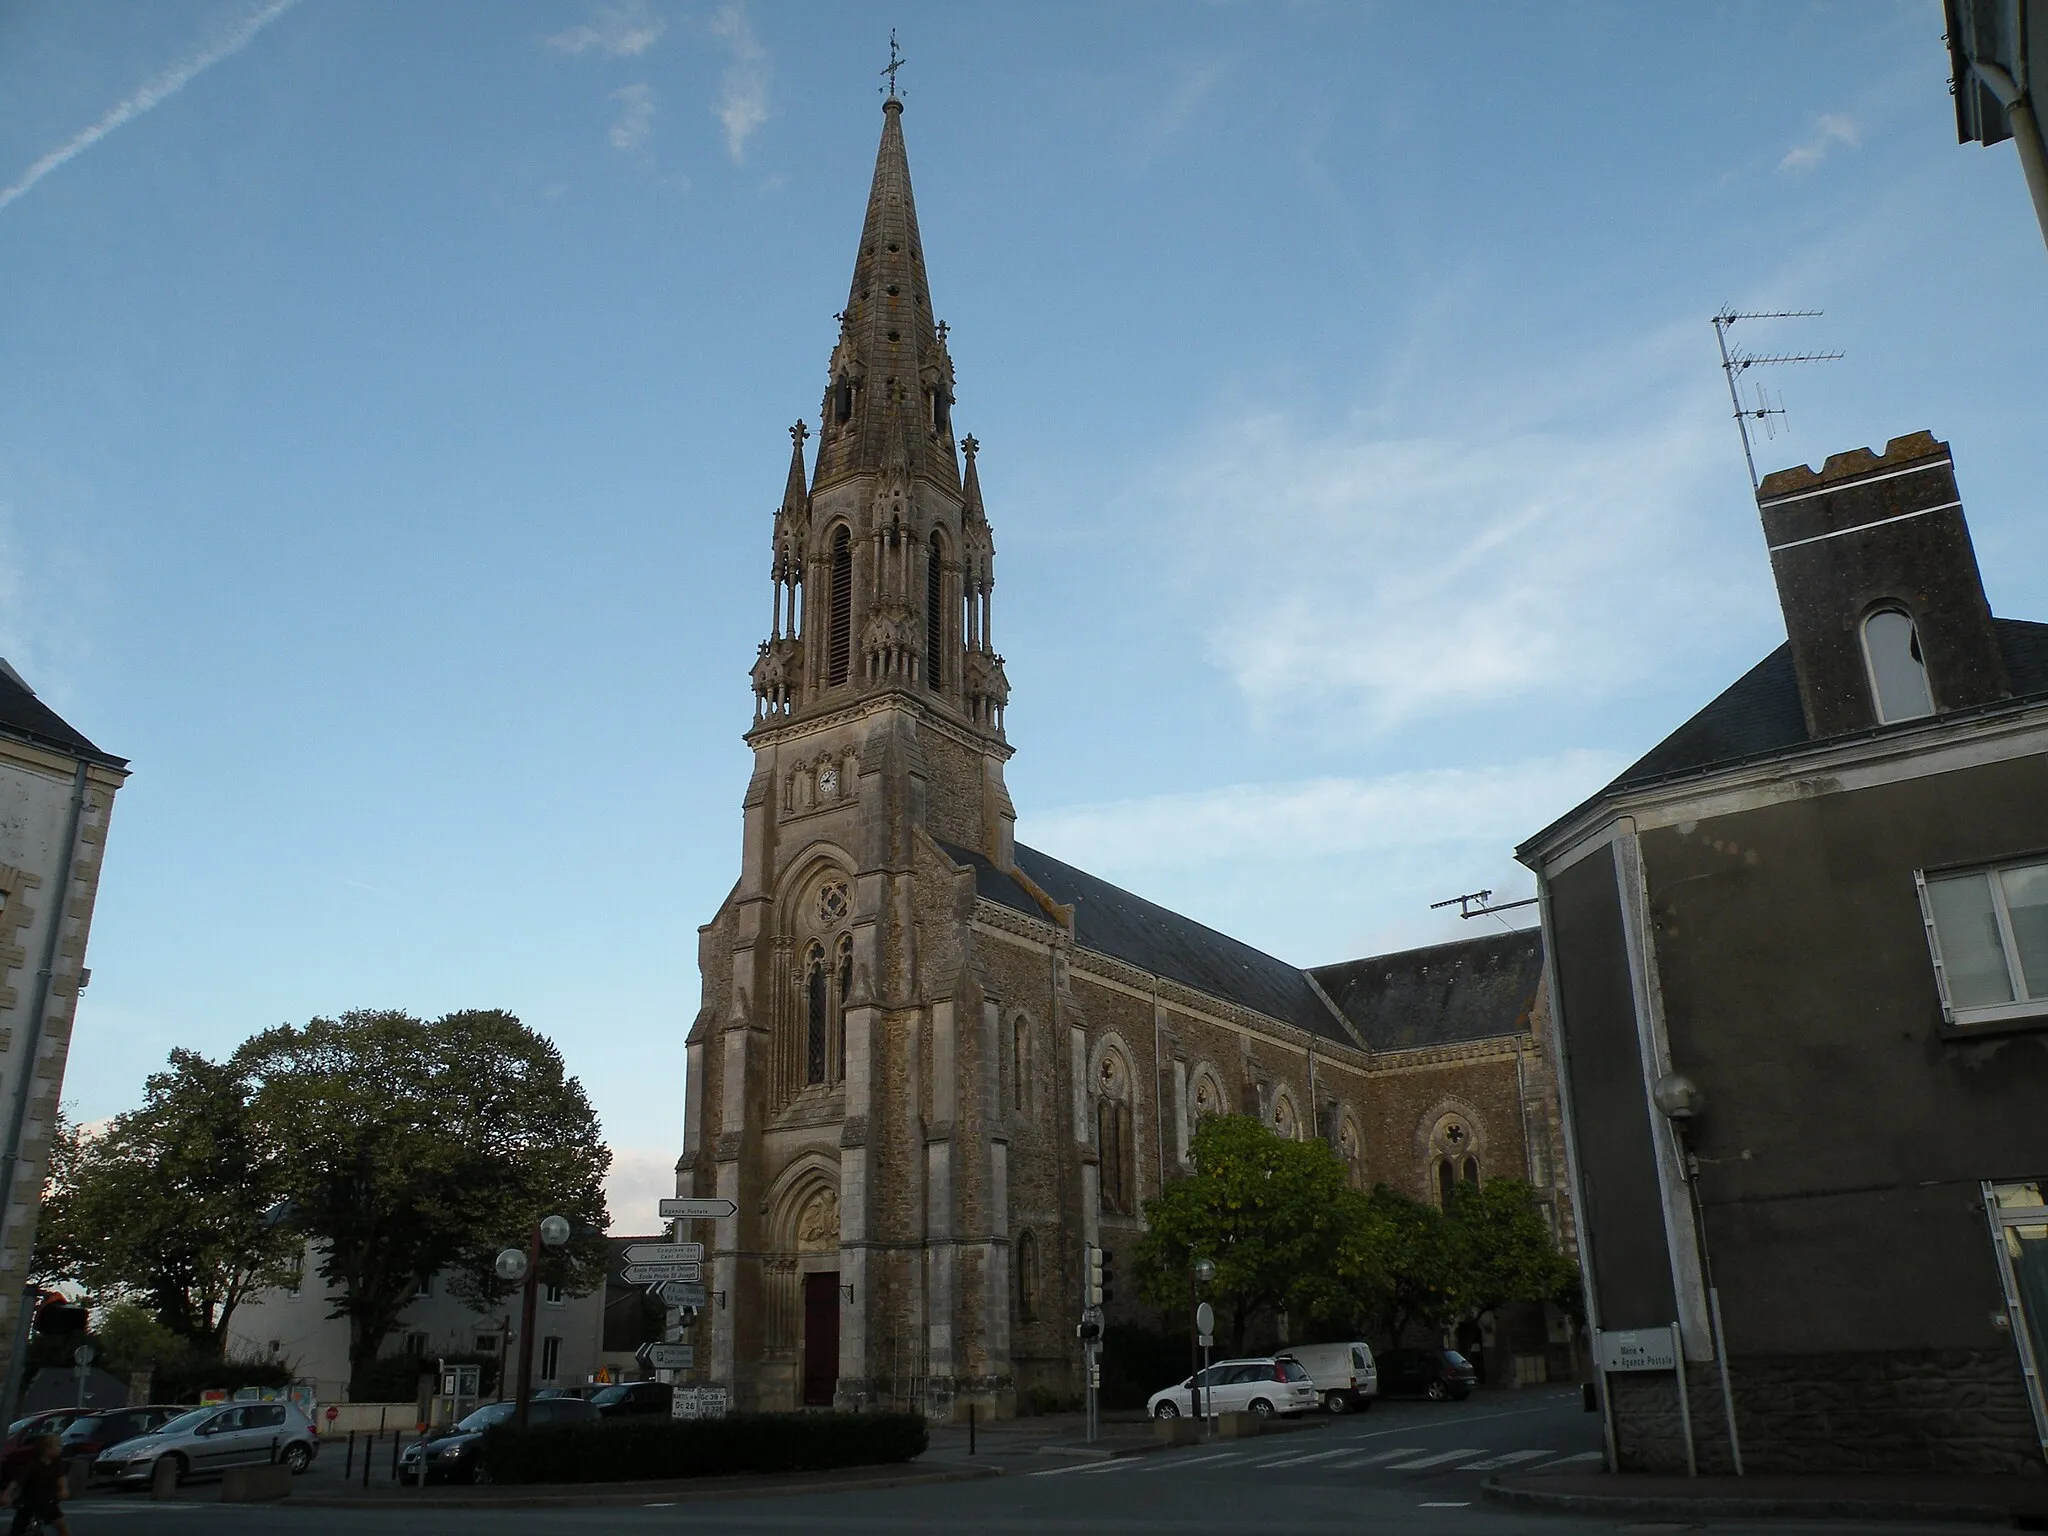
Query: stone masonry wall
[(1951, 1411)]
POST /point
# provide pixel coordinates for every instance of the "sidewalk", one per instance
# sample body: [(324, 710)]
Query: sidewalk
[(2017, 1501)]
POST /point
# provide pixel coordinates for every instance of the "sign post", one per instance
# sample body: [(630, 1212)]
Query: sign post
[(1625, 1350)]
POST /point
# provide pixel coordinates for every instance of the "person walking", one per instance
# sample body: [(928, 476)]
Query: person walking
[(32, 1479)]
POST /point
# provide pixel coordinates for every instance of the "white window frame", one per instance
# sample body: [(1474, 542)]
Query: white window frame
[(1992, 1015), (553, 1295)]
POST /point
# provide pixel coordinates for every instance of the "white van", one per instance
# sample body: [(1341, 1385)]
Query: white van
[(1344, 1374)]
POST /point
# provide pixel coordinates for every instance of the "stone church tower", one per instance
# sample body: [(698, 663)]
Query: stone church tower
[(931, 1062), (837, 1088)]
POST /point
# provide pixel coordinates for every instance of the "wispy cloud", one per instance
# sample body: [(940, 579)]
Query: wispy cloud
[(1280, 821), (636, 116), (640, 1178), (1191, 88), (623, 31), (1829, 129), (1379, 579), (742, 104), (153, 93)]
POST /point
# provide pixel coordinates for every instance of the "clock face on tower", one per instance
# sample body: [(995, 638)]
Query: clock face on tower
[(828, 782)]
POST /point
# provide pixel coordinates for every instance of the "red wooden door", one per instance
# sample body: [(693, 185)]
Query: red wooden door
[(821, 1338)]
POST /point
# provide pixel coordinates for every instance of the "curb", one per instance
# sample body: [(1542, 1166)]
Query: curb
[(1730, 1507), (612, 1495)]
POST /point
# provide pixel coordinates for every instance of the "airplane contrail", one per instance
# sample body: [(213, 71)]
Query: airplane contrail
[(167, 84)]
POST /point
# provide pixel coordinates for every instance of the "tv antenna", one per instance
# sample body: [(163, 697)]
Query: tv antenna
[(1479, 904), (1735, 364), (896, 62)]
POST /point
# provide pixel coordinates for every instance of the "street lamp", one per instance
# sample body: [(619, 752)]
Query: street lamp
[(1200, 1273), (553, 1231)]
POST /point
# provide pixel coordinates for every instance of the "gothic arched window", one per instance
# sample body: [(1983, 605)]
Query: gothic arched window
[(934, 613), (1113, 1137), (1446, 1180), (1472, 1171), (839, 641), (1020, 1063), (1898, 672), (1027, 1277), (814, 1016), (845, 991)]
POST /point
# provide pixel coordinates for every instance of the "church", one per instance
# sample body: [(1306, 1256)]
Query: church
[(933, 1063)]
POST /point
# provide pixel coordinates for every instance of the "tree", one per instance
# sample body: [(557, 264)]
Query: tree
[(1421, 1278), (1271, 1214), (411, 1149), (1504, 1249), (170, 1203)]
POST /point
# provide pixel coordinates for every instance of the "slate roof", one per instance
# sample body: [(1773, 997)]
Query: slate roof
[(24, 715), (1113, 922), (1759, 715), (1474, 989)]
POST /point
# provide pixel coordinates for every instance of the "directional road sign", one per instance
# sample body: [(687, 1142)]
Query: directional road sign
[(690, 1208), (654, 1274), (664, 1253), (683, 1293), (668, 1357)]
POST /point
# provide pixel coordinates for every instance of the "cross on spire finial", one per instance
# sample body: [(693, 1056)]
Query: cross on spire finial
[(896, 62), (798, 433)]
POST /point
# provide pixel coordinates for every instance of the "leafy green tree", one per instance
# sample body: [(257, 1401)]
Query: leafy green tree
[(1271, 1214), (131, 1339), (1421, 1279), (170, 1203), (1503, 1248), (411, 1148)]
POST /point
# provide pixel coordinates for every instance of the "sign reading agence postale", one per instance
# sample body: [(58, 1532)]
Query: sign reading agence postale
[(1637, 1349)]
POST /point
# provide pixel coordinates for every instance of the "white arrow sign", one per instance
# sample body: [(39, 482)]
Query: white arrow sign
[(669, 1357), (690, 1208), (665, 1253), (653, 1274), (682, 1293)]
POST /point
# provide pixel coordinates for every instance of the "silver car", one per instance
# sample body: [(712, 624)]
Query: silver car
[(210, 1440)]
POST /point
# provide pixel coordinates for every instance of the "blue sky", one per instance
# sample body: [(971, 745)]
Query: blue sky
[(392, 408)]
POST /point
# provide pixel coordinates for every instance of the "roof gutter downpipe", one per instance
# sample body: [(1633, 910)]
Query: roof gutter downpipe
[(2026, 133), (31, 1052)]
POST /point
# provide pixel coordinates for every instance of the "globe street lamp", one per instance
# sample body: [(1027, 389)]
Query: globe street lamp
[(1200, 1273), (553, 1231)]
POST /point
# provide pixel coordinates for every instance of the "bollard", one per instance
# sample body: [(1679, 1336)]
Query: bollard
[(395, 1437), (163, 1478), (368, 1446), (348, 1465), (970, 1429)]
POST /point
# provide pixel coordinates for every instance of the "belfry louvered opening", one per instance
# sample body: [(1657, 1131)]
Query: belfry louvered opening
[(839, 641)]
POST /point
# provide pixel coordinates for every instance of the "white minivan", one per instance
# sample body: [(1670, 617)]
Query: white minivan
[(1344, 1374)]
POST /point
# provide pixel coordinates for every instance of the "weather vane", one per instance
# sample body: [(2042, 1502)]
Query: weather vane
[(896, 62)]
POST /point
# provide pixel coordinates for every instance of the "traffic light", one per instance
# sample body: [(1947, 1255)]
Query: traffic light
[(56, 1315), (1088, 1330), (1099, 1276)]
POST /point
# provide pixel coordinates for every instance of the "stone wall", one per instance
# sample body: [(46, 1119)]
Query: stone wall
[(1952, 1411)]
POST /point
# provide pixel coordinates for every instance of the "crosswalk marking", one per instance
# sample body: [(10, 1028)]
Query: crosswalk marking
[(1495, 1463), (1121, 1464), (1175, 1463), (1086, 1466), (1295, 1461), (1582, 1456), (1437, 1460), (1379, 1456)]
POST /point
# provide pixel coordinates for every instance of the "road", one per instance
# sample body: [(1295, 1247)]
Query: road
[(1402, 1468)]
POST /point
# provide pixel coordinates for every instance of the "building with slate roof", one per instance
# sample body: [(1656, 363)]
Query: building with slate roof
[(933, 1064), (56, 794), (1799, 955)]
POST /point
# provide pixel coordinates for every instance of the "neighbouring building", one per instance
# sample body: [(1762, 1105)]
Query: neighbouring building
[(932, 1063), (56, 795), (1799, 964), (296, 1325)]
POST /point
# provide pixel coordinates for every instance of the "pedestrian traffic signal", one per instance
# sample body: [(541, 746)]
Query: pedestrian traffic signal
[(1088, 1330)]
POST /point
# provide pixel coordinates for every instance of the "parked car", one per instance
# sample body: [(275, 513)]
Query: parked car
[(1344, 1374), (629, 1399), (1436, 1374), (451, 1455), (90, 1438), (1265, 1386), (51, 1421), (212, 1439)]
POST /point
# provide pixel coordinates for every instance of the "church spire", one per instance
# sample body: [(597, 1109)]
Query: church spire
[(891, 390)]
